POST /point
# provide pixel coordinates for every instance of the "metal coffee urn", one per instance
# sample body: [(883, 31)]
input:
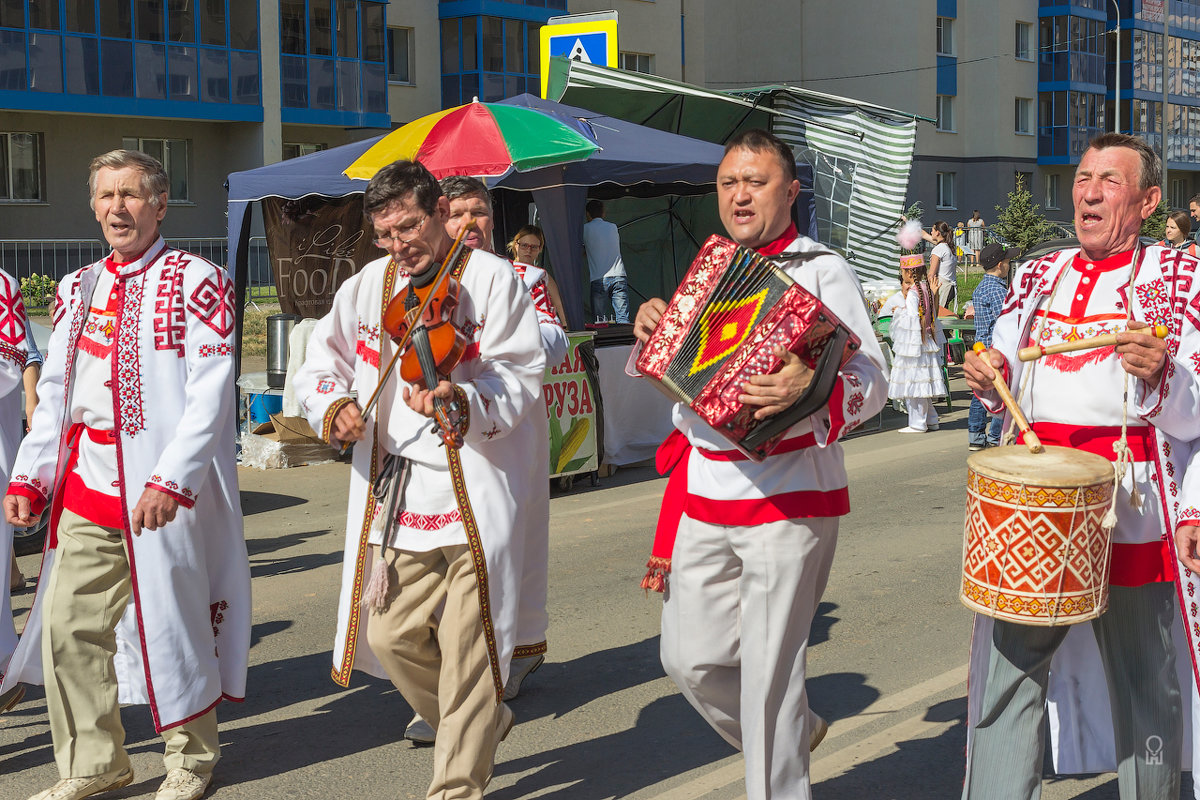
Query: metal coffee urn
[(279, 327)]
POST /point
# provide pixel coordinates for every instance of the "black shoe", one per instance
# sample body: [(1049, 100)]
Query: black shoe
[(975, 448)]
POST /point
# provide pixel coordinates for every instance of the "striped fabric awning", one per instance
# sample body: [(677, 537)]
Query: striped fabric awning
[(860, 153)]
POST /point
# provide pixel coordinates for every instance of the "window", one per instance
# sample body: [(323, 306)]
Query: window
[(21, 167), (399, 55), (945, 36), (1180, 193), (1052, 192), (636, 62), (1023, 115), (1024, 47), (173, 153), (945, 113), (294, 149), (946, 190)]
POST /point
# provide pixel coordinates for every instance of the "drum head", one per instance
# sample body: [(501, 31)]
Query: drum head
[(1056, 467)]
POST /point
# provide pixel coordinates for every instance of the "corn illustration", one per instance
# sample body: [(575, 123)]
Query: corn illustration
[(572, 442)]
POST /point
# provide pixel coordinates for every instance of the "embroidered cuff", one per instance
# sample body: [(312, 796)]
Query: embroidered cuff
[(330, 415), (185, 496), (13, 354), (37, 501)]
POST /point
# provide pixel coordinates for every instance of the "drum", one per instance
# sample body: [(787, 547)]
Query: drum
[(1035, 551)]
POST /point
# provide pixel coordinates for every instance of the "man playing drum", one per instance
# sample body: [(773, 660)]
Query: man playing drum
[(1082, 400)]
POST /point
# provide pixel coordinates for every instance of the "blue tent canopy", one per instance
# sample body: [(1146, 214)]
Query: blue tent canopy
[(633, 161)]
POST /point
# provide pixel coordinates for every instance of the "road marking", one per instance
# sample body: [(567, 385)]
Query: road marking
[(731, 771)]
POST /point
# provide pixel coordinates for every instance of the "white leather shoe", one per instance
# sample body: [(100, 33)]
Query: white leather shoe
[(521, 669), (910, 429), (79, 788), (183, 784)]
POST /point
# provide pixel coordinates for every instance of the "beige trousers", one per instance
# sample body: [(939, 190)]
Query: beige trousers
[(439, 662), (88, 590)]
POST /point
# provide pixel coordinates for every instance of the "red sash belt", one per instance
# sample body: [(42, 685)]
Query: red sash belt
[(1095, 439), (1135, 563), (78, 498), (671, 458)]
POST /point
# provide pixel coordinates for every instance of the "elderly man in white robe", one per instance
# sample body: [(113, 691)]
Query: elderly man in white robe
[(13, 339), (145, 589), (436, 519)]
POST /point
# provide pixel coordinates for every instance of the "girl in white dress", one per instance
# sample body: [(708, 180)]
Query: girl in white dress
[(917, 342)]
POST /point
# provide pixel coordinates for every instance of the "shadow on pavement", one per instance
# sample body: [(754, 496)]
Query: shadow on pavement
[(260, 502), (931, 767)]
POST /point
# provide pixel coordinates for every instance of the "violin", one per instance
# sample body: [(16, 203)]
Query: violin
[(405, 319), (435, 344)]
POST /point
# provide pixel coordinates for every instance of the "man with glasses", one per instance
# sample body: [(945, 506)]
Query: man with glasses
[(433, 548)]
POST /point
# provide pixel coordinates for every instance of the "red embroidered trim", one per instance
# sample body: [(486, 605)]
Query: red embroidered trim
[(527, 650), (464, 409), (427, 522), (13, 354), (368, 355), (184, 500)]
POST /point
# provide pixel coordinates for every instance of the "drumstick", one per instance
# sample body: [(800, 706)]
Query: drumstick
[(1031, 439), (1106, 340)]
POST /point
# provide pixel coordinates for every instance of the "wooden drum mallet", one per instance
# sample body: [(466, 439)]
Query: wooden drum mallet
[(1106, 340), (1031, 439)]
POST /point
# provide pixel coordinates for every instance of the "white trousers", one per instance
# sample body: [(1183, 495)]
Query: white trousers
[(736, 617), (921, 413)]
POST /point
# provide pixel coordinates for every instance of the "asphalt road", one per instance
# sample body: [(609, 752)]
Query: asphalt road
[(599, 720)]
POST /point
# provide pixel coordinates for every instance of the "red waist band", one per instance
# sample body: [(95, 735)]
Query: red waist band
[(1097, 439), (786, 446), (97, 435)]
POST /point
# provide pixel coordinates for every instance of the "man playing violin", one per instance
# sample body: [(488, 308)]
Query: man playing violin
[(432, 564), (1139, 398), (753, 542)]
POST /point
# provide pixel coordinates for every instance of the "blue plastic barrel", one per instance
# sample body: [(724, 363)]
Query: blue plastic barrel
[(262, 406)]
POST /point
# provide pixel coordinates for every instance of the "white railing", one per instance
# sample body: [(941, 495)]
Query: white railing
[(57, 257)]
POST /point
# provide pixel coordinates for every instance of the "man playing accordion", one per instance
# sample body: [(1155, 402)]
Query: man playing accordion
[(737, 536)]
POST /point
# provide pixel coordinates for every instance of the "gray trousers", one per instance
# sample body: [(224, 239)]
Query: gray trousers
[(735, 623), (1134, 635)]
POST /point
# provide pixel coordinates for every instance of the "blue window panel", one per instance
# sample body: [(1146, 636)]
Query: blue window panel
[(12, 61), (129, 107), (493, 88), (294, 81), (81, 59), (214, 75), (117, 57), (244, 78), (494, 8), (344, 119), (375, 98), (947, 8), (947, 75), (45, 62), (183, 79), (151, 71), (470, 87), (322, 87), (451, 86), (348, 97)]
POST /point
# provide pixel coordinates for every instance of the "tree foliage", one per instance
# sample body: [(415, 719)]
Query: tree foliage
[(1020, 223), (1155, 224)]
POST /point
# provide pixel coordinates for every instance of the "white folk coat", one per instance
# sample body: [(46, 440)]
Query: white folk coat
[(12, 365), (184, 640), (1164, 293), (501, 380)]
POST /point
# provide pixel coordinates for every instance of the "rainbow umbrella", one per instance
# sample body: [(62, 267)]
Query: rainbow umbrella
[(485, 140)]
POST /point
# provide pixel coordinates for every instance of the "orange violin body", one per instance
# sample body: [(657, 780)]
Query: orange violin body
[(434, 345)]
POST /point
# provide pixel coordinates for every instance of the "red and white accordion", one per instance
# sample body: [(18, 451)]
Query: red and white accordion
[(722, 326)]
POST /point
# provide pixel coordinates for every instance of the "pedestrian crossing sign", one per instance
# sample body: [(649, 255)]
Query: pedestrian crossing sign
[(592, 42)]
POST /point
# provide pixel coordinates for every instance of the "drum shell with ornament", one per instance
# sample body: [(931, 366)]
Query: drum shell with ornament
[(1035, 551)]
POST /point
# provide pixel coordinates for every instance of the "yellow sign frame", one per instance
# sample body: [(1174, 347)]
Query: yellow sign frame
[(566, 29)]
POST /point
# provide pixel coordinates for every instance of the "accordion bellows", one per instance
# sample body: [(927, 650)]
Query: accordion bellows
[(722, 326)]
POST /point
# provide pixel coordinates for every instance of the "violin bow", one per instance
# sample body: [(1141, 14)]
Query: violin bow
[(443, 271)]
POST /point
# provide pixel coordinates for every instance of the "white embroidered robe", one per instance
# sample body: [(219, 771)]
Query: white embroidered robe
[(184, 640), (1164, 293), (500, 376), (12, 365)]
